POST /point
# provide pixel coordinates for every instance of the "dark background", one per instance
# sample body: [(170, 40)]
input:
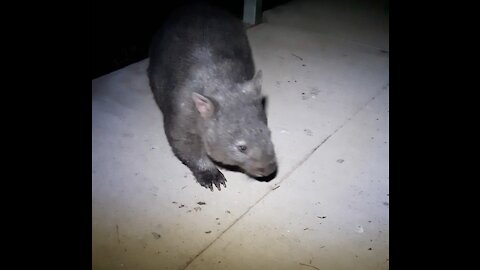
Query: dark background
[(122, 30)]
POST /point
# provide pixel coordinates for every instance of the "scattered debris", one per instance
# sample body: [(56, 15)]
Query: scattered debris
[(314, 92), (301, 59), (118, 234), (182, 205), (309, 266), (156, 235)]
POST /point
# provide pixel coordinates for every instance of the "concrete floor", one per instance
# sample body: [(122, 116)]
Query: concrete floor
[(325, 67)]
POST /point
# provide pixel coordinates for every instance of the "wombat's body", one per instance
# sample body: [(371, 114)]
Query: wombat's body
[(203, 79)]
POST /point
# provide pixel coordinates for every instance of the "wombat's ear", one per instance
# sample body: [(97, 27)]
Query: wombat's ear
[(254, 85), (257, 80), (204, 105)]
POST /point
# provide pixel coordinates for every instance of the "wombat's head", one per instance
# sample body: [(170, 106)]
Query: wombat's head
[(234, 129)]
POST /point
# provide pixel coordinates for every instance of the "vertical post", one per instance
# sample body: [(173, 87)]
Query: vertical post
[(252, 12)]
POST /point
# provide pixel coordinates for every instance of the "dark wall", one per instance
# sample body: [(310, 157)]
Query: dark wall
[(122, 30)]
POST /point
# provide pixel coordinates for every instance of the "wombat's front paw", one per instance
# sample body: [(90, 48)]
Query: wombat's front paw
[(210, 178)]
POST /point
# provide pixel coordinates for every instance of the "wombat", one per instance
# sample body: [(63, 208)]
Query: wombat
[(202, 75)]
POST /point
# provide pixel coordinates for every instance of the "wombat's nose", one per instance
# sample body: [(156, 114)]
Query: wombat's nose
[(268, 169)]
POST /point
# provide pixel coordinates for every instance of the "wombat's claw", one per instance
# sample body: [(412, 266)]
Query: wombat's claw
[(208, 178), (207, 185), (217, 184), (219, 181)]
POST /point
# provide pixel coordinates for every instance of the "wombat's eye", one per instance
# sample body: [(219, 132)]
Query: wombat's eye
[(242, 148)]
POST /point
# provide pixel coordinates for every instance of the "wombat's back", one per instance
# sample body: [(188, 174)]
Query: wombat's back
[(196, 37)]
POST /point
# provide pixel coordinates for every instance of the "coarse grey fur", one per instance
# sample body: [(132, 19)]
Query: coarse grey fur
[(202, 75)]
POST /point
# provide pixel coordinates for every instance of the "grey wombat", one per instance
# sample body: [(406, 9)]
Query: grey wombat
[(203, 79)]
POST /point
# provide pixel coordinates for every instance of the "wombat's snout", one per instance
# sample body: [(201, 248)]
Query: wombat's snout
[(266, 170)]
